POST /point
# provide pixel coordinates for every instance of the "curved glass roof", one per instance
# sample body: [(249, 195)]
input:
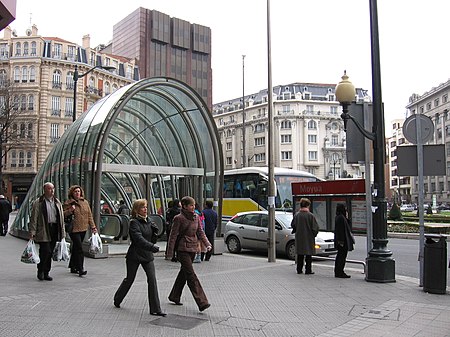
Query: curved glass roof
[(152, 139)]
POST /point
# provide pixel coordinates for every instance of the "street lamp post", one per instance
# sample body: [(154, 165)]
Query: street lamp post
[(243, 112), (76, 76), (380, 264), (338, 161)]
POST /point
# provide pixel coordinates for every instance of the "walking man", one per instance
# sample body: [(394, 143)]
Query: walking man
[(46, 227), (210, 225), (5, 209)]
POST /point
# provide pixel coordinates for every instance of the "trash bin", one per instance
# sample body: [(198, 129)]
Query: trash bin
[(435, 264)]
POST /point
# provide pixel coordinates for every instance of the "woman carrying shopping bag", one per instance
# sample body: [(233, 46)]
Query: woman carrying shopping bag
[(82, 220)]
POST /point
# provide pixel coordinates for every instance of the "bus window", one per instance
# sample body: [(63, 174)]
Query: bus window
[(260, 195)]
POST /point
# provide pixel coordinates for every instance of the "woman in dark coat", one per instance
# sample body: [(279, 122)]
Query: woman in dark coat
[(143, 235), (187, 226), (343, 240), (305, 227)]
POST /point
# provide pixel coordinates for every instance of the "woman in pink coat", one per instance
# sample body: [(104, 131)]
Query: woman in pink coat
[(184, 238)]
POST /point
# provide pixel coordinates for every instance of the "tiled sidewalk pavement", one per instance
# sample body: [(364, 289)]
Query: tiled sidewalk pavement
[(249, 297)]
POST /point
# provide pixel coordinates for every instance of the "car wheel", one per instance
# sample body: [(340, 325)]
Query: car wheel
[(290, 250), (233, 245)]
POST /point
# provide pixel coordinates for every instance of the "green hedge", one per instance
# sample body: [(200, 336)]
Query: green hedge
[(409, 227)]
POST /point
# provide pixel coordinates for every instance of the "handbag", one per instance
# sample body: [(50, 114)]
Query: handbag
[(68, 223)]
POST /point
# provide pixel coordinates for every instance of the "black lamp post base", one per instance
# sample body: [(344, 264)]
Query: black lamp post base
[(379, 269)]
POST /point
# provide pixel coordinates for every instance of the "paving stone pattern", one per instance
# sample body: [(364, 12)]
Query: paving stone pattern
[(248, 296)]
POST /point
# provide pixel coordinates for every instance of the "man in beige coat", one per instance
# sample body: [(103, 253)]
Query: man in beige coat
[(46, 227)]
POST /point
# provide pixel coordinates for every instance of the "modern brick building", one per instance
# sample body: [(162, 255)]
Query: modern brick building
[(165, 46)]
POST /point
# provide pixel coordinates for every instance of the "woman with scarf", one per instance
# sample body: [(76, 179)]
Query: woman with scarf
[(184, 237), (143, 235)]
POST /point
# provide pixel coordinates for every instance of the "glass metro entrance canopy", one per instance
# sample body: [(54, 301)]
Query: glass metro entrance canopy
[(152, 139)]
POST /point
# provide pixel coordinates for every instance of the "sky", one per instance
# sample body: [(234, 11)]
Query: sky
[(312, 41)]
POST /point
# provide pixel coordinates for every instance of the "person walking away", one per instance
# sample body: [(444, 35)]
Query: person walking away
[(123, 208), (173, 210), (210, 216), (305, 227), (82, 220), (343, 240), (187, 227), (5, 209), (46, 227), (201, 249), (143, 235)]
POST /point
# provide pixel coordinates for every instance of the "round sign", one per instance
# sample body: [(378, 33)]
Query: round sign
[(426, 129)]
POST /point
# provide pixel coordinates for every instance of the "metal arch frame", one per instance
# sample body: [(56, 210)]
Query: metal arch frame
[(106, 128)]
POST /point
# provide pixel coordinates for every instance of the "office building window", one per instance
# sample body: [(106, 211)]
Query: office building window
[(312, 125), (312, 139), (286, 125), (286, 155), (312, 155), (286, 139), (260, 141)]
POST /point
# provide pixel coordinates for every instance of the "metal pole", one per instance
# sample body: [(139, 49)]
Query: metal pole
[(75, 81), (368, 183), (334, 169), (271, 194), (380, 265), (421, 208), (244, 156)]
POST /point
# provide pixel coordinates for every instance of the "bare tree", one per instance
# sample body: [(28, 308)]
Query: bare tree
[(16, 124)]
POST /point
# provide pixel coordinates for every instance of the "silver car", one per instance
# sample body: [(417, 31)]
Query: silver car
[(249, 230)]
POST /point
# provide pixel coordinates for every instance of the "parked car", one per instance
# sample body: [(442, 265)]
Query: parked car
[(443, 207), (249, 230), (407, 208)]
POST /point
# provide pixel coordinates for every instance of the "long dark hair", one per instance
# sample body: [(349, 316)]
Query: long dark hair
[(341, 209)]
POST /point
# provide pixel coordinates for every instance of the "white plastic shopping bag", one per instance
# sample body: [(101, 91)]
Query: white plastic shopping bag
[(61, 251), (29, 254), (95, 244)]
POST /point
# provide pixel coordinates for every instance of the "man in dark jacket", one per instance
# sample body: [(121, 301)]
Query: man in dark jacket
[(5, 209), (46, 227), (210, 225)]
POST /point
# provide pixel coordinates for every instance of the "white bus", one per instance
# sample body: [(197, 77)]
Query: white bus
[(246, 189)]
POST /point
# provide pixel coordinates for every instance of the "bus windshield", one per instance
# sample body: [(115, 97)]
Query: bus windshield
[(284, 195)]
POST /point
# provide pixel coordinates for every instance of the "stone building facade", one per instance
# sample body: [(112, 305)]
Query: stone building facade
[(308, 130), (39, 71)]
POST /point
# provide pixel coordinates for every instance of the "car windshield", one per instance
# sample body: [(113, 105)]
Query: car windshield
[(285, 218)]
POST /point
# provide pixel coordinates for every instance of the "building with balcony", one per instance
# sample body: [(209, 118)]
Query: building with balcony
[(435, 104), (165, 46), (399, 187), (39, 71), (308, 130)]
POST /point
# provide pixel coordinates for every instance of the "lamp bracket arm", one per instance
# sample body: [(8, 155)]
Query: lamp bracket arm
[(367, 134)]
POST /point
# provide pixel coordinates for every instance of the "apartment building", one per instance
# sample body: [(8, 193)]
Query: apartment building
[(308, 130), (40, 73), (436, 105), (399, 187), (165, 46)]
